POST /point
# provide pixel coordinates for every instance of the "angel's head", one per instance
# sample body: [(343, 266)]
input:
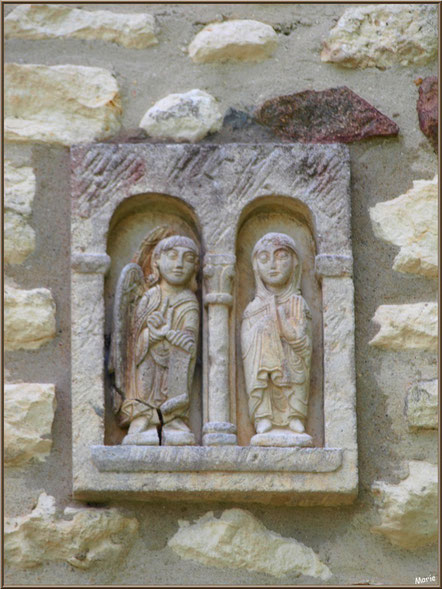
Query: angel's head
[(175, 259)]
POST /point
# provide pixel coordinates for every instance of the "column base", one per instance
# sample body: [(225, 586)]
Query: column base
[(219, 433)]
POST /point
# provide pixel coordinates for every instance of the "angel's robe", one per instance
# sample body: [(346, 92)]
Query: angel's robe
[(277, 367), (152, 360)]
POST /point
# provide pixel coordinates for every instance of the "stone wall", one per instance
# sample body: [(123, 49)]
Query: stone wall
[(79, 73)]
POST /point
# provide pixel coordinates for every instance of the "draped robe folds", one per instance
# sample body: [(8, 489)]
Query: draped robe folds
[(147, 386), (277, 367)]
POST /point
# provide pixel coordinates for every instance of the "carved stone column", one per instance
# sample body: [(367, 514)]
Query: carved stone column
[(218, 271)]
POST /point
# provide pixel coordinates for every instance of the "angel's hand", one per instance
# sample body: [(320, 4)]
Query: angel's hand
[(161, 317), (181, 339), (157, 333)]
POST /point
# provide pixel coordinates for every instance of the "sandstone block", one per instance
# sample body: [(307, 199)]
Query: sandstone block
[(421, 405), (410, 222), (237, 540), (409, 510), (29, 412), (81, 537), (19, 195), (29, 318), (406, 327), (62, 104), (382, 35), (51, 21), (326, 116), (183, 117), (234, 40), (428, 109)]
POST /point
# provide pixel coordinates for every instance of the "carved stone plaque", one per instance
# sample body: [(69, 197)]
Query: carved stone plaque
[(251, 355)]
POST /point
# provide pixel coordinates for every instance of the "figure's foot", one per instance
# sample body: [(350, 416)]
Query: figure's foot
[(139, 424), (263, 425), (297, 426), (146, 437), (177, 433)]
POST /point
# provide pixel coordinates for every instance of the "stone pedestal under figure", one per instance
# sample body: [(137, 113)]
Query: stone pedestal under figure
[(154, 340), (276, 345)]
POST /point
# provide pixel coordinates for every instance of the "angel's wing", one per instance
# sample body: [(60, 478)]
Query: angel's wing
[(130, 288)]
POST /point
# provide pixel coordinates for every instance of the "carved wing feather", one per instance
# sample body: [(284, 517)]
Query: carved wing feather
[(130, 288), (143, 256)]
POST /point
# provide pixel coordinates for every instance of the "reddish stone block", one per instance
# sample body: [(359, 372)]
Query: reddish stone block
[(427, 109)]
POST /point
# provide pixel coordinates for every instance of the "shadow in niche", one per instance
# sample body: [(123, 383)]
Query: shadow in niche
[(282, 215), (131, 222)]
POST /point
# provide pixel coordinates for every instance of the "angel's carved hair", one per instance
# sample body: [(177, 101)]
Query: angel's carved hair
[(167, 244)]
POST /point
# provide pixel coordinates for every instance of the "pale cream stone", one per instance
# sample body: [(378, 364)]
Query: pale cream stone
[(408, 510), (234, 40), (62, 104), (406, 327), (29, 318), (29, 413), (183, 117), (19, 195), (422, 405), (382, 35), (49, 21), (81, 537), (410, 221), (237, 540)]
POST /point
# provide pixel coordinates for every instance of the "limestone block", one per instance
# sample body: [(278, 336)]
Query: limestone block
[(237, 540), (421, 405), (29, 318), (406, 327), (410, 222), (409, 510), (382, 35), (19, 195), (52, 21), (63, 104), (29, 412), (183, 117), (82, 537), (234, 40)]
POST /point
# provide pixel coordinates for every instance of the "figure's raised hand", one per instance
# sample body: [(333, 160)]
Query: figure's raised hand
[(160, 317)]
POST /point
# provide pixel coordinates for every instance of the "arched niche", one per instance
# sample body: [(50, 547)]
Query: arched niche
[(130, 223), (279, 214)]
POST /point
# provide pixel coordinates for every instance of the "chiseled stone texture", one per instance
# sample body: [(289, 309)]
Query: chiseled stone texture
[(409, 510), (49, 21), (325, 116), (406, 327), (382, 35), (183, 117), (428, 109), (62, 104), (82, 537), (19, 195), (421, 405), (29, 318), (238, 540), (234, 40), (410, 222), (29, 412)]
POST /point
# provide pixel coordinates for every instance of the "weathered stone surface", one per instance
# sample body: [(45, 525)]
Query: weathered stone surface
[(409, 510), (410, 221), (382, 35), (327, 116), (29, 412), (183, 117), (237, 540), (62, 104), (421, 405), (29, 318), (406, 327), (206, 458), (428, 109), (49, 21), (19, 195), (82, 537), (234, 40)]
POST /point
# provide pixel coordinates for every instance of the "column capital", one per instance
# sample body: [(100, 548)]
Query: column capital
[(218, 272)]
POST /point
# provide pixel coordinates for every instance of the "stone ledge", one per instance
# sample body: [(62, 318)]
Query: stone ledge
[(90, 263), (225, 459), (333, 265)]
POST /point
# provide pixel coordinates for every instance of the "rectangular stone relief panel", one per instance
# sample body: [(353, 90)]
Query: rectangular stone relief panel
[(213, 323)]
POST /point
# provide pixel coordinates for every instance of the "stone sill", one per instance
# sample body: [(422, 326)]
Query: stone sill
[(215, 458)]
